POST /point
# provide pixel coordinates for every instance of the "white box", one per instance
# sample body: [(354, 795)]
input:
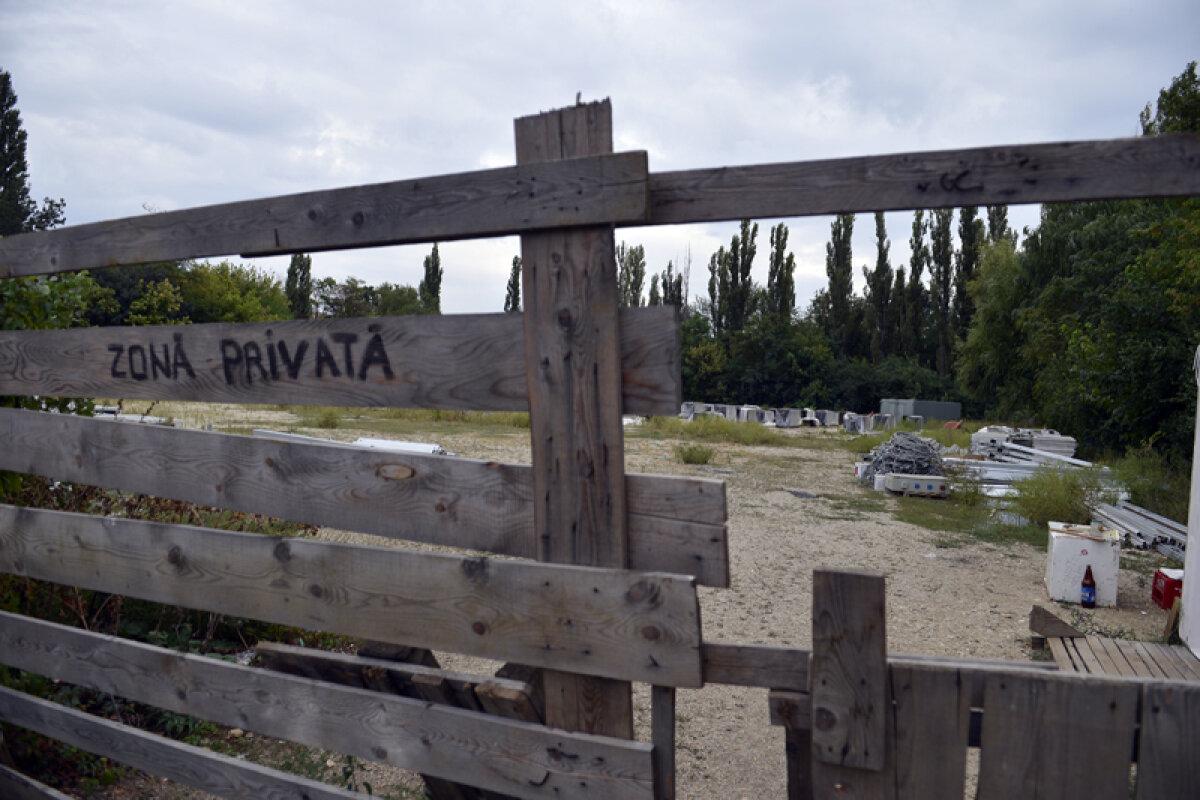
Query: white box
[(1071, 550)]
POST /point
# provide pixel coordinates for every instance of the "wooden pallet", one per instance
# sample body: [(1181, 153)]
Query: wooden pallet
[(1103, 656)]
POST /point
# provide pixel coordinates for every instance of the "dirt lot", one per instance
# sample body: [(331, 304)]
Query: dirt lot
[(792, 509)]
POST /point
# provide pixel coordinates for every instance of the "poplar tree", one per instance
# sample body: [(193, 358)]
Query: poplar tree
[(741, 288), (966, 262), (430, 290), (18, 212), (916, 299), (781, 280), (298, 287), (512, 298), (631, 274), (838, 268), (941, 285), (878, 294)]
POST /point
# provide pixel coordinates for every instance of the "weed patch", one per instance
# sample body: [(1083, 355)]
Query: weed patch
[(694, 453), (714, 429)]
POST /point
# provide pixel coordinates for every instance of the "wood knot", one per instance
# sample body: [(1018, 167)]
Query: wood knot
[(564, 318), (824, 719), (644, 592), (359, 218), (651, 633), (175, 556), (480, 628), (316, 590), (282, 552)]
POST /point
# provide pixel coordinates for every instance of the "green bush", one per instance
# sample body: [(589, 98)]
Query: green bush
[(694, 453), (1154, 484), (1062, 495)]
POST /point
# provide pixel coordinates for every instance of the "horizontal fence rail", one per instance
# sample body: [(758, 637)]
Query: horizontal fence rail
[(1150, 166), (677, 524), (473, 362), (615, 623), (224, 776), (584, 191), (516, 758)]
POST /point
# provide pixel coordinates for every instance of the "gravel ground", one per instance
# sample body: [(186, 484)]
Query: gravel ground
[(791, 510)]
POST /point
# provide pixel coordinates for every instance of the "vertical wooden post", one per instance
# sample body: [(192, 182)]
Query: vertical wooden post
[(662, 732), (849, 684), (572, 356)]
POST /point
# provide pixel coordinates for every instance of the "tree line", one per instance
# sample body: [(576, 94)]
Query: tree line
[(1087, 324)]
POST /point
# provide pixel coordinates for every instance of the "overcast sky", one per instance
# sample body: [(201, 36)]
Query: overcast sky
[(132, 106)]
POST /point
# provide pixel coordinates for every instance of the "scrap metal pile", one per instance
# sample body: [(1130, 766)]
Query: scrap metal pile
[(904, 454)]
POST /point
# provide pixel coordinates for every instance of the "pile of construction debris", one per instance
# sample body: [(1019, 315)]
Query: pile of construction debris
[(998, 458), (903, 454)]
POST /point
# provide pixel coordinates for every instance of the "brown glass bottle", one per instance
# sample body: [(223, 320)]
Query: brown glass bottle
[(1087, 589)]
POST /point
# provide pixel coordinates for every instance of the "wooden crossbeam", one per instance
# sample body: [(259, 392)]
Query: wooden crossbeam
[(677, 524), (1148, 166), (614, 623), (516, 758), (473, 362), (493, 202)]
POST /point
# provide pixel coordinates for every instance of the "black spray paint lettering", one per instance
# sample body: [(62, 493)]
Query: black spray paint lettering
[(245, 361), (151, 361)]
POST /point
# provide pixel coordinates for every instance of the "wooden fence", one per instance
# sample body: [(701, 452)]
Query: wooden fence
[(603, 592)]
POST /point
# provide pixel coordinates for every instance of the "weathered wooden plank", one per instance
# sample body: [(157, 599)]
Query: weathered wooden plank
[(1119, 658), (480, 505), (586, 191), (1062, 656), (571, 353), (18, 786), (1084, 649), (798, 754), (755, 665), (1156, 670), (613, 623), (1043, 622), (1149, 166), (793, 711), (378, 674), (1057, 734), (503, 755), (848, 672), (1169, 742), (194, 766), (662, 736), (459, 361), (1164, 661), (1134, 657), (932, 715), (1107, 665), (1187, 660), (352, 670)]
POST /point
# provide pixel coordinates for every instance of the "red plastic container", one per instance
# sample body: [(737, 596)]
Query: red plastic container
[(1166, 587)]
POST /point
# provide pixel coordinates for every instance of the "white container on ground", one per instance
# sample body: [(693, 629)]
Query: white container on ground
[(1072, 549)]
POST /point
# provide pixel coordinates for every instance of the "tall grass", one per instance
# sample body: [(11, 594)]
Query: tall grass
[(946, 437), (709, 428)]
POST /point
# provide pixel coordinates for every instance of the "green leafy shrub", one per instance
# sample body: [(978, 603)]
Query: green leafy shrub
[(1154, 484), (694, 453), (1062, 495)]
